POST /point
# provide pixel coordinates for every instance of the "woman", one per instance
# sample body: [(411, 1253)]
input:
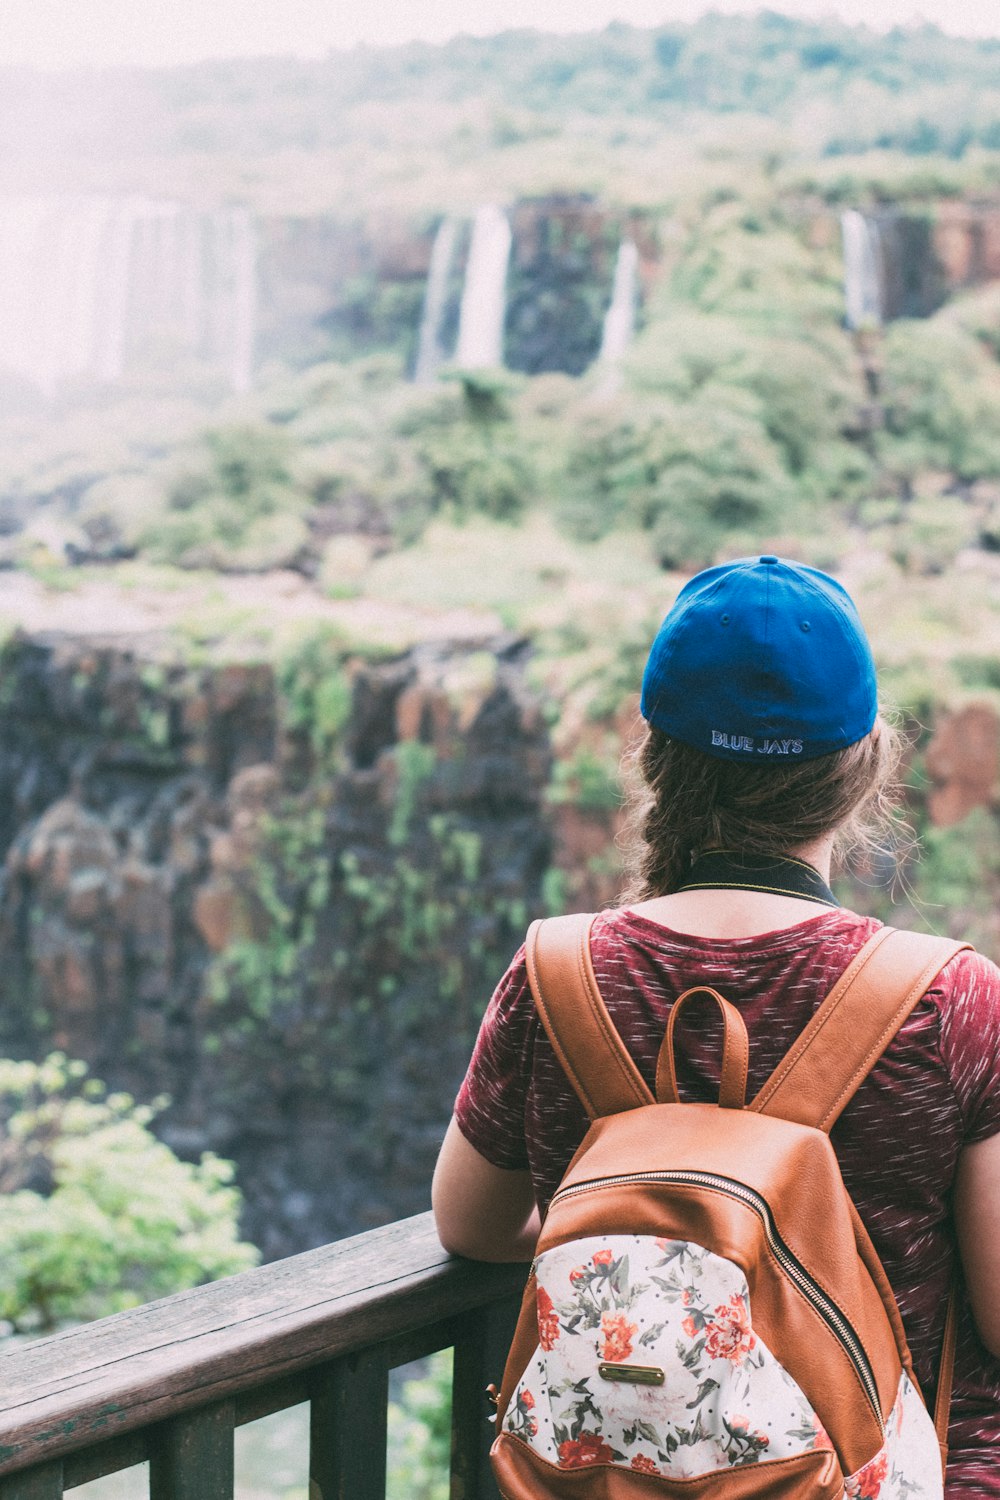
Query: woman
[(764, 756)]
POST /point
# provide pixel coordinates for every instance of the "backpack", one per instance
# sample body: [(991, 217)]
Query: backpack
[(706, 1315)]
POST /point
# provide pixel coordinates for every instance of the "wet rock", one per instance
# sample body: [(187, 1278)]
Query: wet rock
[(963, 761), (296, 949)]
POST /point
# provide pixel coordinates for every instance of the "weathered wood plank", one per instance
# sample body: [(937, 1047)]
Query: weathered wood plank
[(263, 1400), (480, 1354), (191, 1458), (133, 1448), (293, 1389), (347, 1429), (43, 1483), (61, 1394)]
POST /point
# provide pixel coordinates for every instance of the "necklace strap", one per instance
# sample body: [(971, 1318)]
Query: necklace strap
[(774, 874)]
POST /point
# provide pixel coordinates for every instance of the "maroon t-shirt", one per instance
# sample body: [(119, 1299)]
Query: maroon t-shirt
[(936, 1089)]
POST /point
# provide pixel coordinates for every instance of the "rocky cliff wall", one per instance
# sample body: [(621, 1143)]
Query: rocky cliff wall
[(280, 896)]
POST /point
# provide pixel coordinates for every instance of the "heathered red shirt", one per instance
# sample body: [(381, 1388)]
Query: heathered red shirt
[(936, 1089)]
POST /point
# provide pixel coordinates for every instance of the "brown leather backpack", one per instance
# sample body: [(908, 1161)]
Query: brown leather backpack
[(706, 1315)]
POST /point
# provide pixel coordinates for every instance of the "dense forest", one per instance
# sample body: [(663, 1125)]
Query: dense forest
[(622, 112)]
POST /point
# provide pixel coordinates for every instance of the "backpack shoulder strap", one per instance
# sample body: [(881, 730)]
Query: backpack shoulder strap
[(832, 1057), (583, 1035)]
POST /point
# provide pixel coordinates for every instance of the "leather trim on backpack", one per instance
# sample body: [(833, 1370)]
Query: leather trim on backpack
[(583, 1036), (522, 1474), (826, 1065)]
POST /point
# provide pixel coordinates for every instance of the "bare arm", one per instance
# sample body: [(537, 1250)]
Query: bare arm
[(481, 1210), (977, 1221)]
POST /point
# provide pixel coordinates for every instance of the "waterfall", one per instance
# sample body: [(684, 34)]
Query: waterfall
[(430, 355), (619, 320), (113, 290), (97, 288), (481, 318), (46, 309), (244, 267), (863, 303)]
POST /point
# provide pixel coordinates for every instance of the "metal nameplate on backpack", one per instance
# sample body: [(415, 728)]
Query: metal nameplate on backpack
[(631, 1374)]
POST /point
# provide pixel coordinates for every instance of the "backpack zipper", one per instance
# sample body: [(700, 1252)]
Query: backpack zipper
[(793, 1268)]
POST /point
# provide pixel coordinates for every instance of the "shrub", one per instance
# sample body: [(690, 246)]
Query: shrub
[(941, 398), (98, 1215), (237, 506)]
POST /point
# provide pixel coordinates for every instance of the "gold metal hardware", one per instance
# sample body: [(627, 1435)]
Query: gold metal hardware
[(632, 1374)]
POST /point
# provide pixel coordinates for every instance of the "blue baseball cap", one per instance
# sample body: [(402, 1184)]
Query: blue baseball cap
[(762, 657)]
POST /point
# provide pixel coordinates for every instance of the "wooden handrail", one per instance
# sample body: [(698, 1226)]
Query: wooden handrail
[(99, 1397)]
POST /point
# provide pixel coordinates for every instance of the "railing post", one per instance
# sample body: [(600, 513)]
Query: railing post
[(191, 1458), (43, 1483), (480, 1353), (347, 1428)]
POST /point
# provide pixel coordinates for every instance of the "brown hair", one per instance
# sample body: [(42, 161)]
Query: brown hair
[(688, 801)]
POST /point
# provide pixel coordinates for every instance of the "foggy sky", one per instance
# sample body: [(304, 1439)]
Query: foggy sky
[(72, 33)]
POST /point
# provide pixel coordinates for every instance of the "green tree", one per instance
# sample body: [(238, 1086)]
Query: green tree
[(420, 1434), (96, 1214)]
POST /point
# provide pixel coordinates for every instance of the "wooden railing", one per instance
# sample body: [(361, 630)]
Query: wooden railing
[(169, 1382)]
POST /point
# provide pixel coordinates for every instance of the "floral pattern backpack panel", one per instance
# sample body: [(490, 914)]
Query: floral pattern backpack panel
[(648, 1361)]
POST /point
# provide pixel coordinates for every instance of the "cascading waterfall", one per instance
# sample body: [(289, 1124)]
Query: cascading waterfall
[(91, 288), (243, 252), (481, 318), (430, 355), (863, 300), (619, 320)]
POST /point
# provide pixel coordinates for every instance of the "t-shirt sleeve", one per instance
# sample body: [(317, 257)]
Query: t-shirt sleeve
[(490, 1106), (970, 1042)]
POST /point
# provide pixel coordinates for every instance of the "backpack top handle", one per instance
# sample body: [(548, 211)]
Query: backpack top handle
[(735, 1053)]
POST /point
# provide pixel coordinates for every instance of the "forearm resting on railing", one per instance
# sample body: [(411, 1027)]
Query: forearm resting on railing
[(481, 1210)]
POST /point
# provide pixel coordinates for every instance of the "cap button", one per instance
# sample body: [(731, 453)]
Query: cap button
[(769, 559)]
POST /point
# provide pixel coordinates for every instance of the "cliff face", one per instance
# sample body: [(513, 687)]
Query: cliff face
[(282, 900), (282, 896)]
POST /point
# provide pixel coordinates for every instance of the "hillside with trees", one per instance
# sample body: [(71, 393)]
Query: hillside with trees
[(316, 689)]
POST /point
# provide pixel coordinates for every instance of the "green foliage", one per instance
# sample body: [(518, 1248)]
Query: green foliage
[(237, 506), (415, 762), (588, 782), (911, 88), (696, 475), (977, 671), (474, 468), (420, 1434), (555, 892), (316, 691), (97, 1215), (929, 533), (942, 400), (952, 882), (291, 882), (372, 314)]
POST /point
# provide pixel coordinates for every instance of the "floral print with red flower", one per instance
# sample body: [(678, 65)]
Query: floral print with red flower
[(618, 1335), (728, 1335), (741, 1445), (587, 1448), (725, 1401), (867, 1483), (548, 1322), (520, 1420)]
